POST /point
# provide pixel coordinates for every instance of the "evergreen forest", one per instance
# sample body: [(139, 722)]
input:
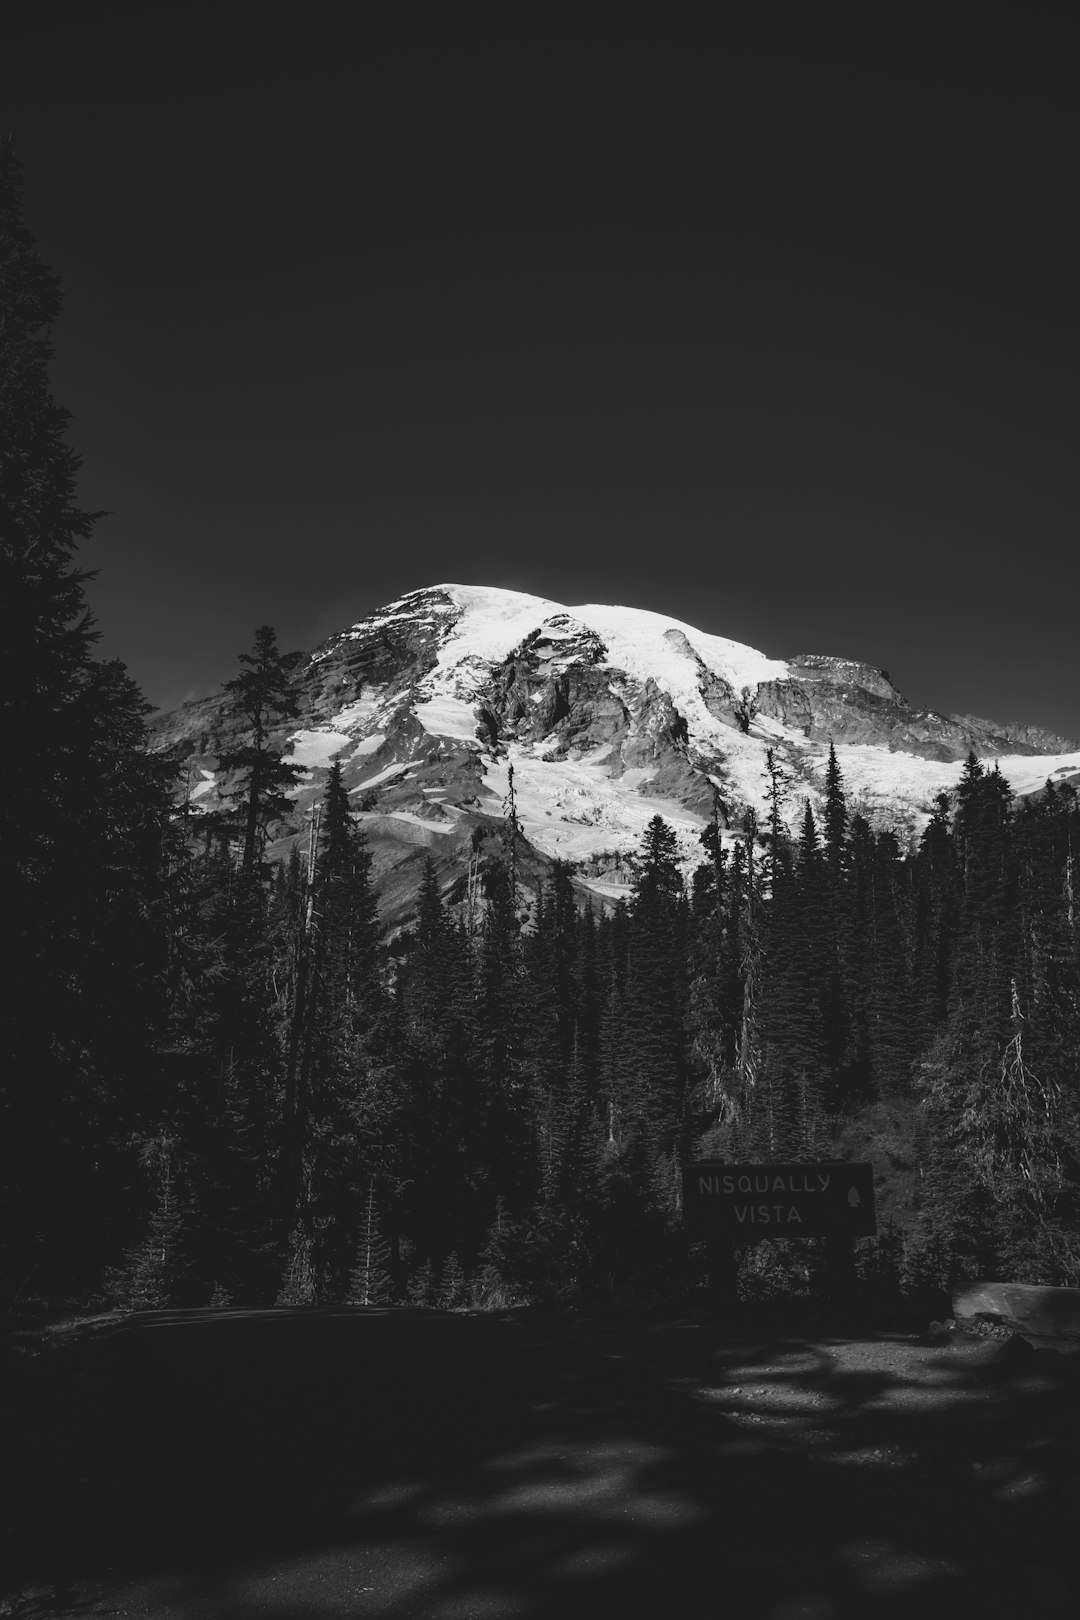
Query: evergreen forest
[(222, 1084)]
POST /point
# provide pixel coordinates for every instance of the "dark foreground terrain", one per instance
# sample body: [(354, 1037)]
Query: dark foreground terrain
[(411, 1464)]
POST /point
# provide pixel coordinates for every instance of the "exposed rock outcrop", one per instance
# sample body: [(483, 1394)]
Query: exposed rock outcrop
[(1043, 1315)]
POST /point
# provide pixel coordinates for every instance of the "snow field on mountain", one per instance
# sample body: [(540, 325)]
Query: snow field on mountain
[(399, 821), (316, 748), (209, 779), (641, 643), (446, 716), (398, 768), (368, 745), (879, 777), (492, 624), (573, 810), (1028, 773), (891, 789), (356, 713)]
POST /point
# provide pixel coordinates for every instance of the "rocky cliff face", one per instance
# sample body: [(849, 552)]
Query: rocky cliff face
[(608, 717)]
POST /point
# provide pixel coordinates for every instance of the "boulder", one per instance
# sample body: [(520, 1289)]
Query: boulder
[(1045, 1316)]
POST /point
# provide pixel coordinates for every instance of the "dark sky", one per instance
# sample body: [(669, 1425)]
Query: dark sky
[(780, 335)]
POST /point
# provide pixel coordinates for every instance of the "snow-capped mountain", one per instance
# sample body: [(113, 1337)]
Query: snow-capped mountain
[(608, 716)]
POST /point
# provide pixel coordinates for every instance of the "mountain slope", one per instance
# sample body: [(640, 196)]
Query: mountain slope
[(608, 716)]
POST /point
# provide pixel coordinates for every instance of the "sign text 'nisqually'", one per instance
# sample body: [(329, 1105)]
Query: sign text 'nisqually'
[(747, 1202)]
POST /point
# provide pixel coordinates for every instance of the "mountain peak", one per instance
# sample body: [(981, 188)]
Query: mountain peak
[(609, 715)]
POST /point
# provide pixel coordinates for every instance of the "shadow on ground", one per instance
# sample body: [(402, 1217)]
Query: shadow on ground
[(416, 1466)]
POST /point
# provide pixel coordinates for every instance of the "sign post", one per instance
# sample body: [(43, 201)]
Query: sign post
[(735, 1205)]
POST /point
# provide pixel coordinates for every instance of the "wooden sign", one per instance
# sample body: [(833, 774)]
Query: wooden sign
[(747, 1202)]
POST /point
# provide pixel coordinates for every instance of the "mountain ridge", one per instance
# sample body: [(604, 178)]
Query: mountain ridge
[(607, 715)]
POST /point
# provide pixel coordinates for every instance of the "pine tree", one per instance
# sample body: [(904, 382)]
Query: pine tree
[(237, 1108), (84, 828), (424, 1284), (936, 888), (890, 1005), (370, 1282), (338, 1096), (580, 1133), (792, 1032), (835, 821), (855, 1082), (650, 1088), (452, 1282), (745, 930), (507, 1150), (777, 790), (547, 1013), (998, 1190), (149, 1274), (262, 698), (588, 1002), (442, 1135)]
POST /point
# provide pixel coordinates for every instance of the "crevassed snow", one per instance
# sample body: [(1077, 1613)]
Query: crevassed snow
[(448, 716), (887, 776), (878, 783), (572, 809), (316, 748), (493, 622)]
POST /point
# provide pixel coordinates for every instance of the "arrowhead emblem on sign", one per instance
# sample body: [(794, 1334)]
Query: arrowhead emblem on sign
[(853, 1199)]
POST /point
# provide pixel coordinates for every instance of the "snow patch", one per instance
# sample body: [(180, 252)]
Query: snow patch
[(639, 642), (315, 749), (357, 713), (370, 817), (886, 776), (640, 645), (608, 888), (635, 776), (574, 810), (385, 775), (447, 716), (368, 745)]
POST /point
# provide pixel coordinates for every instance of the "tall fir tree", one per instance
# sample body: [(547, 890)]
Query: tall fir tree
[(835, 821), (84, 827), (370, 1282), (261, 698), (791, 1089), (652, 1081), (340, 1127)]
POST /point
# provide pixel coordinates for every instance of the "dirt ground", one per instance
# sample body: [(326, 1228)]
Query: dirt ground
[(415, 1465)]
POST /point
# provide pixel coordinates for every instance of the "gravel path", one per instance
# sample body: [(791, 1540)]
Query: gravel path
[(412, 1466)]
